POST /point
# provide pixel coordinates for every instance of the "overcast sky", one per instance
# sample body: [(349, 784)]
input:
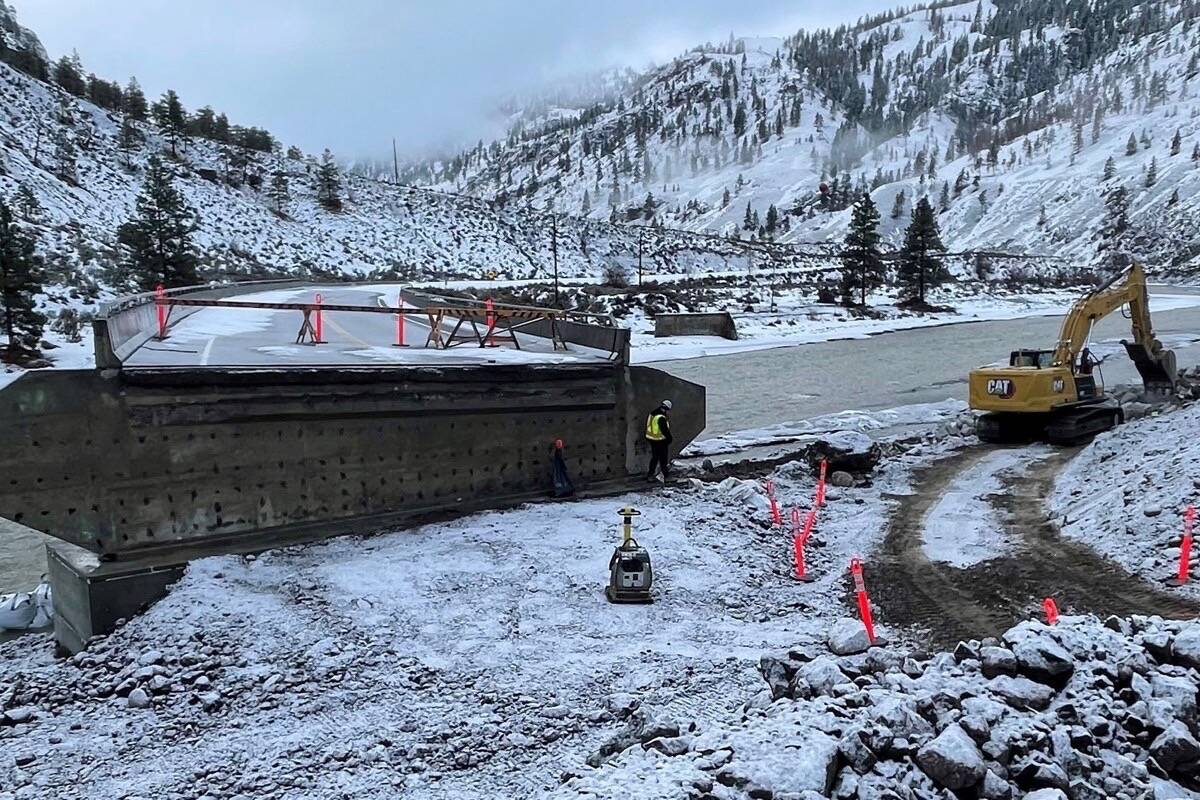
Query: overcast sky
[(351, 74)]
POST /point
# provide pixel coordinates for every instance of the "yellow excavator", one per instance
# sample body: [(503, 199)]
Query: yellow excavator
[(1053, 394)]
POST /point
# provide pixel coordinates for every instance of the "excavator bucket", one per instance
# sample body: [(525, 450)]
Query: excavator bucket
[(1157, 369)]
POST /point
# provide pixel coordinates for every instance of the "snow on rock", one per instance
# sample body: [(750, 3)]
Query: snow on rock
[(939, 724), (952, 759), (1125, 494), (848, 637)]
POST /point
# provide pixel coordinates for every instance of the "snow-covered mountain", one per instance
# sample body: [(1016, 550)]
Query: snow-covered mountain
[(1003, 112), (73, 177)]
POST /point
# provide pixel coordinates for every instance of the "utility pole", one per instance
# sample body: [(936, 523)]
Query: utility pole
[(554, 254), (395, 161), (640, 232)]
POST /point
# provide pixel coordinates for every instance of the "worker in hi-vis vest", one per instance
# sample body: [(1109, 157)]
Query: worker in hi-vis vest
[(658, 434)]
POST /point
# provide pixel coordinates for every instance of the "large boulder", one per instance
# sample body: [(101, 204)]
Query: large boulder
[(848, 637), (1021, 692), (776, 674), (997, 661), (1176, 749), (822, 674), (1043, 660), (1187, 646), (952, 760)]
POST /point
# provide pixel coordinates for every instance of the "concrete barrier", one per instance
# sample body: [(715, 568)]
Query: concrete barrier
[(123, 326), (703, 324)]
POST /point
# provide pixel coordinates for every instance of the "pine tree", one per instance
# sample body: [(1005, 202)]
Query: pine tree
[(772, 219), (1152, 173), (920, 269), (862, 266), (1042, 220), (20, 283), (1116, 217), (1110, 169), (1131, 145), (294, 154), (898, 206), (65, 156), (158, 238), (171, 118), (1176, 143), (1196, 153), (944, 200), (329, 183), (129, 139), (280, 194), (27, 204), (68, 73), (725, 198), (1174, 201), (587, 203), (748, 219), (134, 101)]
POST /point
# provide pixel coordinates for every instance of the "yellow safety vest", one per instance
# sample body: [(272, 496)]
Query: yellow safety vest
[(654, 428)]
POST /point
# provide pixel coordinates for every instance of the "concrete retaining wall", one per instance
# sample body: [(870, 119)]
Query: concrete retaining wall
[(142, 459), (707, 324)]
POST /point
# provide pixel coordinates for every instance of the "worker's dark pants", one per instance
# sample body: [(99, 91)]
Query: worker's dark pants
[(660, 457)]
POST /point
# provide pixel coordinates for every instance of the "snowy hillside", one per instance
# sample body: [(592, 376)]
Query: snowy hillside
[(72, 178), (1003, 113)]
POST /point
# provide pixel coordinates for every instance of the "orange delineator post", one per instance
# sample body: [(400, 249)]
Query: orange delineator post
[(1185, 546), (776, 517), (1051, 609), (160, 294), (821, 483), (400, 323), (864, 602), (799, 539), (490, 318), (320, 338)]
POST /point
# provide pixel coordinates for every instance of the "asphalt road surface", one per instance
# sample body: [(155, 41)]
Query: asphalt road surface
[(228, 337)]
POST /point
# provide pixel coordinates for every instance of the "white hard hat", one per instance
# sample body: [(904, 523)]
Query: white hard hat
[(666, 404)]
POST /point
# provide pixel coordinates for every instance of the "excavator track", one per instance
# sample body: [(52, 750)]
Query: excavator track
[(1074, 424)]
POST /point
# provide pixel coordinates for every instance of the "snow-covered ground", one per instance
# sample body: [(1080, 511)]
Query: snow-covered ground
[(477, 656), (800, 322), (1126, 494)]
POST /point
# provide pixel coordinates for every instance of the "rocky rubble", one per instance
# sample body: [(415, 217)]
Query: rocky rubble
[(1082, 710)]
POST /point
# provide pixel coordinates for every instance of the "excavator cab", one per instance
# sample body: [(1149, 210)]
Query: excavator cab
[(1031, 358)]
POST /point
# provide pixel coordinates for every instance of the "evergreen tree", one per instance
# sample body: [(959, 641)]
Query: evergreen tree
[(862, 266), (129, 139), (27, 204), (1174, 201), (1152, 173), (748, 219), (294, 154), (1176, 143), (920, 269), (898, 206), (1131, 145), (280, 194), (158, 237), (20, 283), (1116, 217), (587, 203), (65, 157), (329, 183), (1110, 169), (944, 200), (1196, 152), (68, 73), (171, 118), (725, 198), (772, 219), (134, 101)]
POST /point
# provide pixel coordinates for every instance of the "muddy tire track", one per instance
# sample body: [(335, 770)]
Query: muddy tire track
[(948, 603)]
